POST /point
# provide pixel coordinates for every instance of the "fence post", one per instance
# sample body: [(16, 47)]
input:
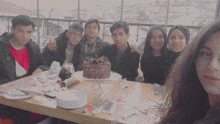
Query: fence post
[(103, 32), (121, 9), (38, 24), (167, 16), (47, 27), (58, 27), (8, 24), (78, 10), (137, 33), (217, 9)]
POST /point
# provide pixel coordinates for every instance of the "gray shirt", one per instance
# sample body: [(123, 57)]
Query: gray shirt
[(69, 56)]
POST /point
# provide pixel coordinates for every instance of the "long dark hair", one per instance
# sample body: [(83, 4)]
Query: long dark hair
[(189, 100), (147, 48)]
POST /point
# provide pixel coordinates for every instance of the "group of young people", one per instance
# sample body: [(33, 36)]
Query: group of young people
[(161, 51), (193, 83), (190, 72), (124, 60), (21, 56)]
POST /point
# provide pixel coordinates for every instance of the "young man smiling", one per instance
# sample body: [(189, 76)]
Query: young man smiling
[(122, 60), (90, 45)]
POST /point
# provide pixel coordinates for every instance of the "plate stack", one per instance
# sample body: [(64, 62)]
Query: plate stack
[(71, 99)]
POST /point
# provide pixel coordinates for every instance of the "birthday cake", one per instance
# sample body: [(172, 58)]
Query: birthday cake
[(97, 68)]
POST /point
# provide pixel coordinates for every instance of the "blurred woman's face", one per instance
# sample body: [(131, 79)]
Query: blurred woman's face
[(157, 40), (177, 41), (208, 65)]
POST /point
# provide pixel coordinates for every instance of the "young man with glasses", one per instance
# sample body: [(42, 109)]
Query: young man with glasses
[(65, 44)]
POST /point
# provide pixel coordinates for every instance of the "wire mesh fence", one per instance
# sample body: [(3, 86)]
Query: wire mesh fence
[(50, 27)]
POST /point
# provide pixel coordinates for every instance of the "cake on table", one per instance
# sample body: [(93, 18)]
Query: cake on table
[(99, 68)]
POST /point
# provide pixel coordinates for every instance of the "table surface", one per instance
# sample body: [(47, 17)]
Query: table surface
[(131, 96)]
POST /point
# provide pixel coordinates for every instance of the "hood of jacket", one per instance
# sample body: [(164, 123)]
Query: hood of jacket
[(84, 39)]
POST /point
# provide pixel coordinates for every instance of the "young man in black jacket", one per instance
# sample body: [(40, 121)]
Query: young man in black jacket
[(64, 46), (122, 60), (19, 57)]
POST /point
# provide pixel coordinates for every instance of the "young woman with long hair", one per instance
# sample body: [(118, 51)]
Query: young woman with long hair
[(153, 60), (194, 82)]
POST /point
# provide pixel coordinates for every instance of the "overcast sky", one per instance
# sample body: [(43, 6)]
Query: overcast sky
[(68, 4), (63, 7)]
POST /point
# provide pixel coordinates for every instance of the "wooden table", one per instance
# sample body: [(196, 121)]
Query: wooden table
[(134, 94)]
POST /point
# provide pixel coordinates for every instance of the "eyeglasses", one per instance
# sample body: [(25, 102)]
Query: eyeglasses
[(75, 34)]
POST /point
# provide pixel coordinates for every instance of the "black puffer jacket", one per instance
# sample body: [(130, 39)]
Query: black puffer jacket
[(7, 61), (128, 65)]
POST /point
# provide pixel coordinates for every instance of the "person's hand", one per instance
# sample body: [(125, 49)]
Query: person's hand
[(52, 44), (139, 78), (133, 48), (37, 71)]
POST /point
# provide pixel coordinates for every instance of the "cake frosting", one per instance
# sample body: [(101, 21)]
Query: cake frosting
[(97, 68)]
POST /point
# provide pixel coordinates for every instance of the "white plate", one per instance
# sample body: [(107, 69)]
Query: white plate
[(113, 77), (66, 99), (15, 97)]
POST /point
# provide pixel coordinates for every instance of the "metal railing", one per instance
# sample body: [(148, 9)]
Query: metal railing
[(52, 27)]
